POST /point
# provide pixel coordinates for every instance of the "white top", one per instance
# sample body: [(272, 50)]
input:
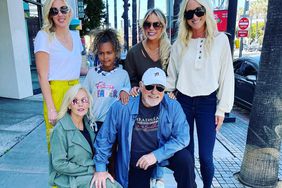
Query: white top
[(196, 73), (63, 63), (105, 88)]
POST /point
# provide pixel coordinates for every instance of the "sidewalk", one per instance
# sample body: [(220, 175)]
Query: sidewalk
[(23, 150)]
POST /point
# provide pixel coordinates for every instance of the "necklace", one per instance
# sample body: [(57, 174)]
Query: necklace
[(154, 52)]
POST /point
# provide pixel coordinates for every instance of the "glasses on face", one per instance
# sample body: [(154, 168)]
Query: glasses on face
[(156, 25), (54, 11), (199, 12), (158, 87), (82, 101)]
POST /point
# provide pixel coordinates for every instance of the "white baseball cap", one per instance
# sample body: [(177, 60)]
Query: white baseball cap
[(154, 76)]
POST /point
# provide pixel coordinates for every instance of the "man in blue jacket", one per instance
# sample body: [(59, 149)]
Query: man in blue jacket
[(151, 131)]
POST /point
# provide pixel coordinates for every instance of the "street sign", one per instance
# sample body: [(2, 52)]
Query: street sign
[(243, 23), (242, 33)]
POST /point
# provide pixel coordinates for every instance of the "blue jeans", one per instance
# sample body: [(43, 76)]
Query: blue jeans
[(201, 109)]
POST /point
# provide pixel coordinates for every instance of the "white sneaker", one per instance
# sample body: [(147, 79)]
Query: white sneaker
[(157, 183)]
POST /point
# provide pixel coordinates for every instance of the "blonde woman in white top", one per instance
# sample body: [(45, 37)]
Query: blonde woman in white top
[(58, 58), (201, 73)]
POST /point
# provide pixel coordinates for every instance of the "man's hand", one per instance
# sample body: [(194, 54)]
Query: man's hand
[(99, 179), (124, 97), (146, 160), (218, 122)]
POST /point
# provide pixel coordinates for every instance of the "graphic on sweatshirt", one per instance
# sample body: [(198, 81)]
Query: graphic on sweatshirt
[(104, 90)]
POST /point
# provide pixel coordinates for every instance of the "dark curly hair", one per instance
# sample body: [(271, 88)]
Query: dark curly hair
[(107, 35)]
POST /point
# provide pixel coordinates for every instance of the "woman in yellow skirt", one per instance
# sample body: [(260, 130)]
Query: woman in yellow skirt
[(58, 58)]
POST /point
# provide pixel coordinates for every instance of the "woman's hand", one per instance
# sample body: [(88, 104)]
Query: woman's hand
[(218, 122), (171, 95), (134, 91), (99, 179), (52, 116), (124, 97)]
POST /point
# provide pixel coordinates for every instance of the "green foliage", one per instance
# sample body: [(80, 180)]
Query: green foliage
[(94, 14), (257, 31)]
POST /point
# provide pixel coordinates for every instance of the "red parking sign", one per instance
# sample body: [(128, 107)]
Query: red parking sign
[(243, 23), (242, 33)]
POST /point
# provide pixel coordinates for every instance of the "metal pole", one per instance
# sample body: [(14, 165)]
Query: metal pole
[(169, 16), (115, 14), (150, 4), (246, 12), (134, 25), (125, 18), (107, 19)]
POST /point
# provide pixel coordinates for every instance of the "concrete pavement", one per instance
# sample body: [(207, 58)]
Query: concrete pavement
[(23, 150)]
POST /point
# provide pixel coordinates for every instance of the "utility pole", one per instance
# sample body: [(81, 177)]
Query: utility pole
[(125, 22), (246, 13), (115, 13), (134, 25)]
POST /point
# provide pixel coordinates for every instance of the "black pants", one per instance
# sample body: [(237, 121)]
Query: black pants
[(182, 165)]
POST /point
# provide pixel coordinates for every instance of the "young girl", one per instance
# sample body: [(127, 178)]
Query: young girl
[(108, 82)]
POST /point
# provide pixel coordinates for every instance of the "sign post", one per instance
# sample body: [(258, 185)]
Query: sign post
[(243, 25)]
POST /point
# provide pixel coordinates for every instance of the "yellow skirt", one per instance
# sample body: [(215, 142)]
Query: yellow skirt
[(58, 90)]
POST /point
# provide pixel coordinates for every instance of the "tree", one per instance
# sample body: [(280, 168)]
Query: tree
[(94, 15), (256, 32), (261, 158), (150, 4), (258, 11)]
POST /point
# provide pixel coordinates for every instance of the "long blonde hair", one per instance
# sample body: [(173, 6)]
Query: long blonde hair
[(164, 40), (185, 31), (69, 96), (48, 23)]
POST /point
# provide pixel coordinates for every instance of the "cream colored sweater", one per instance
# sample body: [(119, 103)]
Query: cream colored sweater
[(196, 73)]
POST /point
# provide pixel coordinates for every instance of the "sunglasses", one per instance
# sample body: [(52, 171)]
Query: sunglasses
[(156, 25), (199, 12), (158, 87), (82, 101), (54, 11)]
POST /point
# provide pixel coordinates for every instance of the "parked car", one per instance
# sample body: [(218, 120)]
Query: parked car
[(245, 70)]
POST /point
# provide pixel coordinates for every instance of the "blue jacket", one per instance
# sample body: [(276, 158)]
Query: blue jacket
[(173, 135)]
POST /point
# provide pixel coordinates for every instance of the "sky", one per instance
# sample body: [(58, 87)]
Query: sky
[(161, 4)]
